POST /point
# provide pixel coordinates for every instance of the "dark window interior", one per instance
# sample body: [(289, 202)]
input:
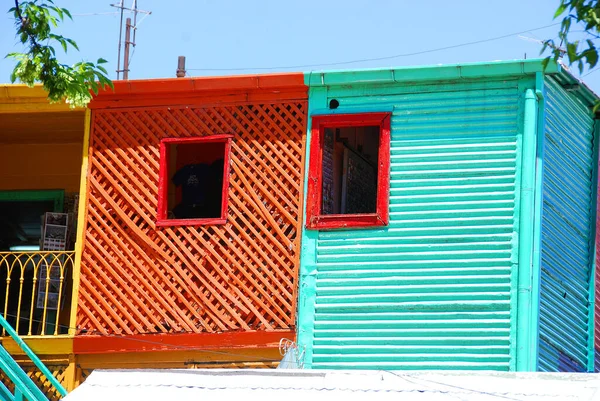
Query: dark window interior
[(195, 173), (21, 228), (21, 222), (350, 160)]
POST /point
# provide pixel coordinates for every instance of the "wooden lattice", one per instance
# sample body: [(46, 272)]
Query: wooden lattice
[(60, 371), (139, 278)]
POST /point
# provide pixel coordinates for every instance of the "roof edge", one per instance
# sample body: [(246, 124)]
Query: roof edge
[(199, 84), (576, 86), (154, 92), (440, 72), (20, 98)]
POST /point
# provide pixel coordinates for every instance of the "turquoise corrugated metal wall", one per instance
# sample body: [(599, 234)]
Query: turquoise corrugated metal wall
[(567, 233), (435, 289)]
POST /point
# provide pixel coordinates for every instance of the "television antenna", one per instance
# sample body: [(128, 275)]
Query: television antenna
[(562, 51), (129, 42)]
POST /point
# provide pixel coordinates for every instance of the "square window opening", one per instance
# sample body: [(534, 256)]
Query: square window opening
[(349, 171), (194, 181), (349, 168)]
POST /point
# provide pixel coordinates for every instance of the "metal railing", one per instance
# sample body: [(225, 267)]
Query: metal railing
[(24, 387), (34, 291)]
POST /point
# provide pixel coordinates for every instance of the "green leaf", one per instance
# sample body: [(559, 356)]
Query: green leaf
[(59, 11), (591, 57), (572, 52), (545, 63), (39, 64), (561, 9), (72, 43)]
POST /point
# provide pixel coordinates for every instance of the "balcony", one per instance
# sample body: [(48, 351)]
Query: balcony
[(35, 291)]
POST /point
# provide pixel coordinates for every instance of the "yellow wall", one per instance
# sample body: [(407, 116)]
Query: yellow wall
[(40, 166)]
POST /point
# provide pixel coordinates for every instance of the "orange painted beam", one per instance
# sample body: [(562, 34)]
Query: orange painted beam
[(98, 344), (205, 90)]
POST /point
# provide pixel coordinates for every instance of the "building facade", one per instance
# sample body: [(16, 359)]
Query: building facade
[(476, 251)]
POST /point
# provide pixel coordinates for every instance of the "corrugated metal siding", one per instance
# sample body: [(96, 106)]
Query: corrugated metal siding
[(597, 280), (566, 233), (597, 287), (432, 290)]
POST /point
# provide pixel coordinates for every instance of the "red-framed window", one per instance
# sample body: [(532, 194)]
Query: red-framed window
[(193, 180), (349, 171)]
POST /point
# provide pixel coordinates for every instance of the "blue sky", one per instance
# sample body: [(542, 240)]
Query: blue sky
[(226, 37)]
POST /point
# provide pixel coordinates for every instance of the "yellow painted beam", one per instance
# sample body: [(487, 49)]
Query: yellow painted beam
[(23, 99), (30, 107), (41, 345), (180, 359), (81, 219)]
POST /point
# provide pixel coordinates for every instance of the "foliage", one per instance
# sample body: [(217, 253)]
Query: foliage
[(34, 22), (586, 13)]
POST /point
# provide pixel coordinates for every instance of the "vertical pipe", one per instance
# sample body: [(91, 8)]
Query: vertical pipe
[(127, 47), (537, 234), (81, 212), (120, 40), (526, 236), (180, 67)]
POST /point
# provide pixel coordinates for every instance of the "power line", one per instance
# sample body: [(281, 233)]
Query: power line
[(94, 14), (378, 58)]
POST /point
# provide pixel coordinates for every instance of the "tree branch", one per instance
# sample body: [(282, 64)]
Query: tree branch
[(23, 22)]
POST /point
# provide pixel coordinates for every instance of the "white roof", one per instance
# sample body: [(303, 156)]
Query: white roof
[(316, 385)]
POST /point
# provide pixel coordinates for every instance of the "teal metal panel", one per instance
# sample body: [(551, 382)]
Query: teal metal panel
[(567, 233), (435, 289)]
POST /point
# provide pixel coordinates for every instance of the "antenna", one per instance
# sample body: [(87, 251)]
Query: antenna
[(561, 50), (128, 41)]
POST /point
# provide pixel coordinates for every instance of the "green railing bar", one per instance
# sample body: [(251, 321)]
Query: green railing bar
[(5, 393), (24, 386), (38, 363)]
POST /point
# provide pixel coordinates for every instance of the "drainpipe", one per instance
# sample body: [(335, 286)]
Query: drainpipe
[(537, 234), (525, 337)]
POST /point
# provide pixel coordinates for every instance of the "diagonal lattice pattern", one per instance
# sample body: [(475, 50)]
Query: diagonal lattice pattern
[(140, 278)]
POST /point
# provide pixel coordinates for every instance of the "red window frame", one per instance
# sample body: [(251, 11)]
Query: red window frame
[(314, 218), (163, 182)]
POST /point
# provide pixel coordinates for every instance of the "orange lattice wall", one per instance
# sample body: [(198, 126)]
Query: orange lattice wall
[(138, 278)]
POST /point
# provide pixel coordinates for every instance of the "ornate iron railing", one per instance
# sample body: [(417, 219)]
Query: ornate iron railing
[(35, 288)]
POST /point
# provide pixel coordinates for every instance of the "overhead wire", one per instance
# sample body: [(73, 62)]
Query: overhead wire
[(378, 58), (94, 14), (590, 72)]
